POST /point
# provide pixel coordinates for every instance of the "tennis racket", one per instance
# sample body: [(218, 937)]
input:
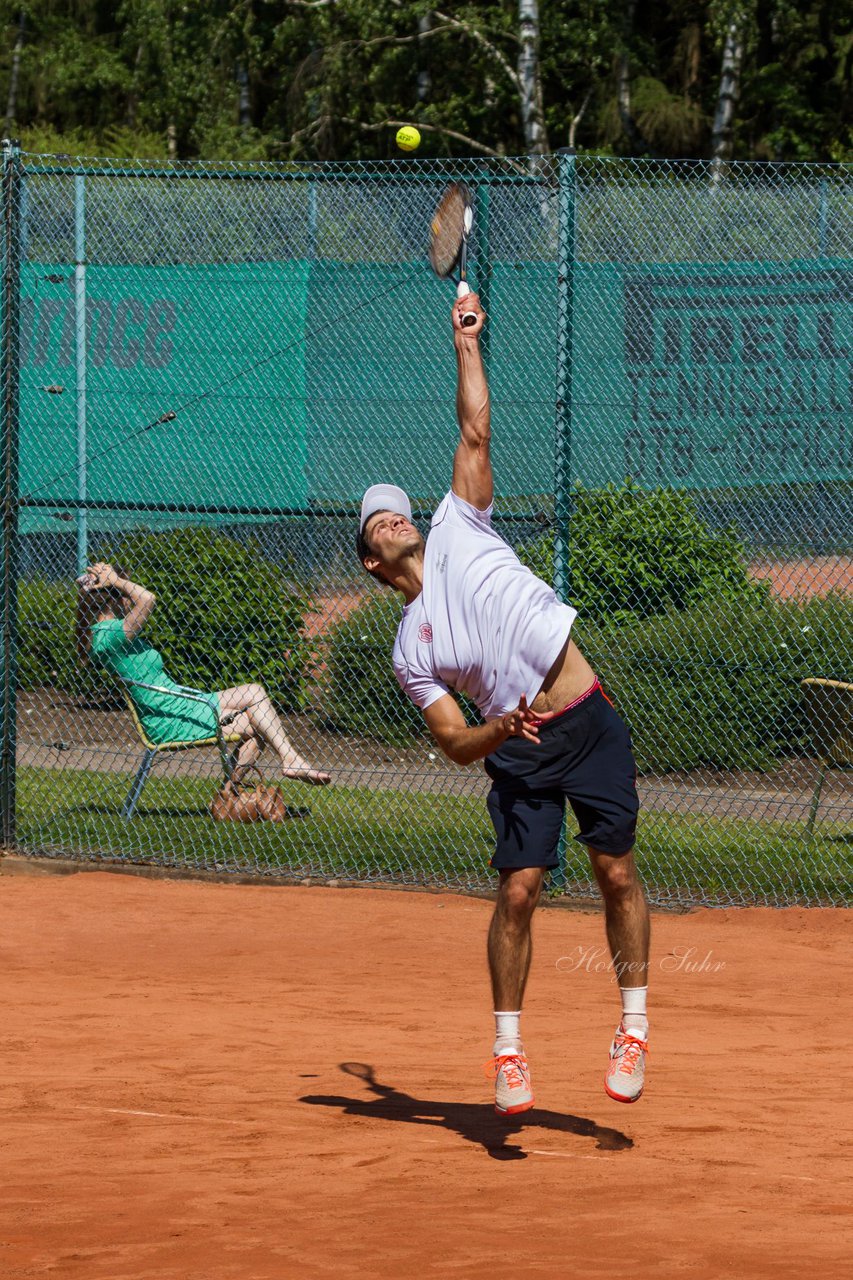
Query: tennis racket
[(448, 246)]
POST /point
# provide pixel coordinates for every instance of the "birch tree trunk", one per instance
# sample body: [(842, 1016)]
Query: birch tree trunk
[(424, 77), (530, 80), (722, 132)]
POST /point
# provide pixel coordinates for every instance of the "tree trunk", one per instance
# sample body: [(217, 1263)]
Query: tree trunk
[(576, 119), (623, 85), (12, 101), (133, 92), (424, 77), (245, 102), (692, 60), (530, 80), (722, 132)]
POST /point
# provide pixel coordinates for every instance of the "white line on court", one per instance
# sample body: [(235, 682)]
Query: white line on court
[(159, 1115), (567, 1155)]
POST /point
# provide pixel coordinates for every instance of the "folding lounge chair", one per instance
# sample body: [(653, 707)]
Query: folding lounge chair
[(829, 707), (153, 749)]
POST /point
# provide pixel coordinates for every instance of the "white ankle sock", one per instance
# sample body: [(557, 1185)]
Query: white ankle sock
[(634, 1009), (507, 1032)]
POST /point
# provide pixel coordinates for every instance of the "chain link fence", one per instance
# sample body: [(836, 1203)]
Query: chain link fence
[(205, 365)]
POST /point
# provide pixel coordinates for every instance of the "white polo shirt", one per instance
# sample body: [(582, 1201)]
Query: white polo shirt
[(484, 624)]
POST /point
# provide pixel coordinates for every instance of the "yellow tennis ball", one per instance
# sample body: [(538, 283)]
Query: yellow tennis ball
[(408, 138)]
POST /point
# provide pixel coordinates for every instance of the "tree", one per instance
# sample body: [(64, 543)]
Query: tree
[(530, 80), (334, 78), (736, 17)]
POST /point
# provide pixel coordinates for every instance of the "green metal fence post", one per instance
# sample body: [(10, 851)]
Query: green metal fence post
[(823, 220), (563, 405), (80, 367), (565, 350), (10, 345)]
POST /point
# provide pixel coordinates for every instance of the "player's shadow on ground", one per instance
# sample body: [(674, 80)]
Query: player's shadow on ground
[(474, 1122)]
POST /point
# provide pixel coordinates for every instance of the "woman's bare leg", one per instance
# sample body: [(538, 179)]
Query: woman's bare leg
[(255, 716), (245, 755)]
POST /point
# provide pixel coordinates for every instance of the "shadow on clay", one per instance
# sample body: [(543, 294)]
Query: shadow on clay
[(474, 1122)]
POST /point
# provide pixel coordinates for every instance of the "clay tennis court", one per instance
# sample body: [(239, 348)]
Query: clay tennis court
[(174, 1102)]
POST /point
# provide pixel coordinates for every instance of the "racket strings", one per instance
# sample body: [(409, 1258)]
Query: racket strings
[(447, 230)]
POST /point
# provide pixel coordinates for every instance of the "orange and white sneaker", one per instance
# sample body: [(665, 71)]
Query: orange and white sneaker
[(625, 1075), (513, 1091)]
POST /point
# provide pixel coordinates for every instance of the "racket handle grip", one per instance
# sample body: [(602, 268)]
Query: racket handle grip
[(468, 317)]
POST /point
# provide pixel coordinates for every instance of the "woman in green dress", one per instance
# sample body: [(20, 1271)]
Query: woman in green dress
[(116, 611)]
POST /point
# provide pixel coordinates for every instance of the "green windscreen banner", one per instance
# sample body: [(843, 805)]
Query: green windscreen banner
[(714, 376), (297, 384), (221, 346)]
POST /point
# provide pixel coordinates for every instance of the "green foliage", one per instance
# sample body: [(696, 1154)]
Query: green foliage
[(224, 615), (719, 686), (703, 664), (323, 80), (116, 141), (46, 642), (634, 553), (362, 695)]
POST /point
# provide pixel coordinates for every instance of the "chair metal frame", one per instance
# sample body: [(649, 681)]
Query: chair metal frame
[(153, 749), (829, 706)]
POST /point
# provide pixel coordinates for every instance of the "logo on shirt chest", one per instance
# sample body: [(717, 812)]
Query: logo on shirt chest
[(425, 633)]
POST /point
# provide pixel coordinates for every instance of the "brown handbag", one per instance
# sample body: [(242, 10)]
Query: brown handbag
[(236, 802)]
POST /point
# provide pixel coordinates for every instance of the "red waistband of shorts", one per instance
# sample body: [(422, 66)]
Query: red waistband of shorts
[(550, 716)]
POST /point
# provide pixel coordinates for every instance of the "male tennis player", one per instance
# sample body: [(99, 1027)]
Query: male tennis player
[(477, 621)]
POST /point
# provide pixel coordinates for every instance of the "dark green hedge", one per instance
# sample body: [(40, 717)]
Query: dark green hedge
[(715, 685), (718, 686), (635, 553), (362, 695), (46, 653)]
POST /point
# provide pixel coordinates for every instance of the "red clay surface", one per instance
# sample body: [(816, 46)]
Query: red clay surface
[(802, 579), (174, 1104)]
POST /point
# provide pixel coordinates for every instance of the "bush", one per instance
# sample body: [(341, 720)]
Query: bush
[(46, 644), (720, 688), (224, 616), (634, 553), (363, 696)]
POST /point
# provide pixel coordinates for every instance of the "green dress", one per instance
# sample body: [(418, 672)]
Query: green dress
[(165, 717)]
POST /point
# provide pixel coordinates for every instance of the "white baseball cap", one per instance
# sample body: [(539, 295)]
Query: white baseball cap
[(384, 497)]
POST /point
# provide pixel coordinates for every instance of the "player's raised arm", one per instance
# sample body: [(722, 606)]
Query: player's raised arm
[(472, 464)]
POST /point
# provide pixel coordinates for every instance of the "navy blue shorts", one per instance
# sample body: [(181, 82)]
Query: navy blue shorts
[(585, 757)]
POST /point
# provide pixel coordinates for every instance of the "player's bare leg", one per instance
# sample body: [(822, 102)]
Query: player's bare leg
[(509, 951), (627, 923), (509, 934)]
